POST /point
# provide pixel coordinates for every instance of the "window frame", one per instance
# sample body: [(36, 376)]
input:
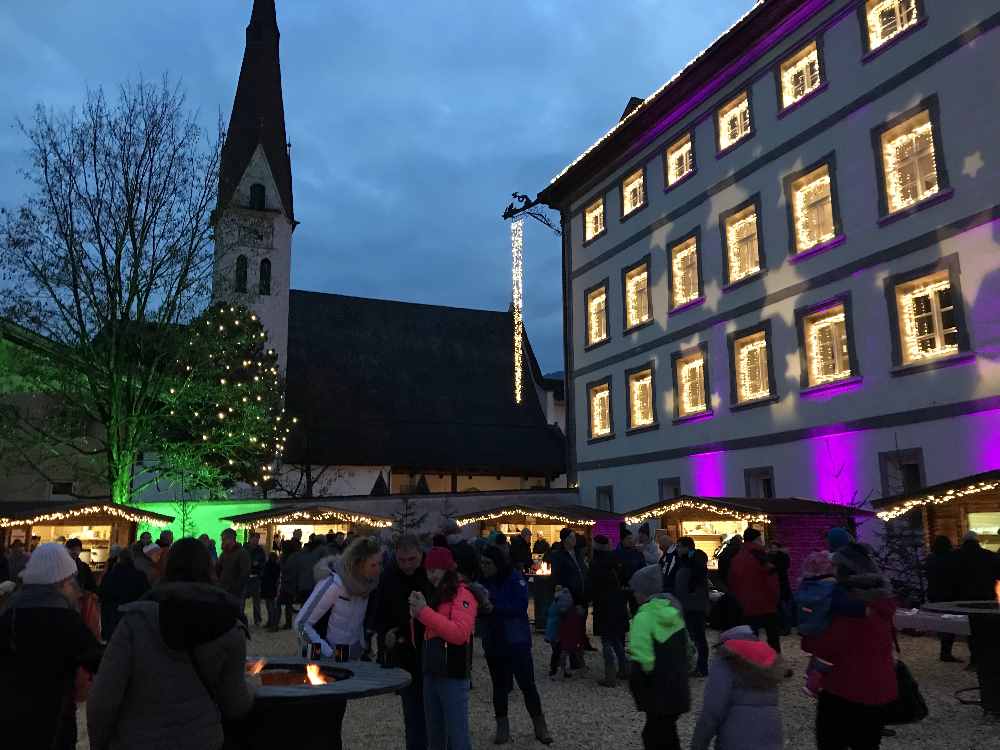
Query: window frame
[(606, 380), (785, 109), (788, 181), (751, 473), (731, 340), (631, 429), (951, 265), (647, 261), (261, 277), (672, 482), (622, 216), (58, 485), (753, 200), (609, 491), (866, 43), (694, 234), (907, 456), (604, 214), (667, 185), (241, 274), (721, 151), (675, 360), (254, 205), (588, 344), (801, 313), (931, 105)]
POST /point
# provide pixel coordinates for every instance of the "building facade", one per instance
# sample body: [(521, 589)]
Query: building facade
[(781, 271)]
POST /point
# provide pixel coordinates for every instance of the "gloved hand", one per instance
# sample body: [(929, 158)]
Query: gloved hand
[(326, 649)]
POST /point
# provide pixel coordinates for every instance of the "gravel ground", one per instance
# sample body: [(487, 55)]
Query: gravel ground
[(583, 715)]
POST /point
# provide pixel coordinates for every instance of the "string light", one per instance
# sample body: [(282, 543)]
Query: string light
[(641, 392), (600, 408), (889, 18), (521, 511), (597, 316), (680, 159), (910, 164), (692, 385), (800, 76), (703, 505), (734, 121), (594, 219), (813, 210), (685, 267), (752, 362), (741, 239), (920, 301), (104, 509), (637, 295), (517, 276), (324, 514), (634, 193), (827, 350), (976, 488)]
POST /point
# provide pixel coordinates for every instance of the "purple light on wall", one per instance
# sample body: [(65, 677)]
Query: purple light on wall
[(984, 441), (708, 474), (835, 467), (832, 390)]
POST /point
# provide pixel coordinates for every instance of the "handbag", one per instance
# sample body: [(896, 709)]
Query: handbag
[(909, 706)]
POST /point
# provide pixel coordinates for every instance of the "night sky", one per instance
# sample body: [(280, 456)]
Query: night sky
[(410, 123)]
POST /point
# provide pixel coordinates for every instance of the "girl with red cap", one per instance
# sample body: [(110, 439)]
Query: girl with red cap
[(449, 621)]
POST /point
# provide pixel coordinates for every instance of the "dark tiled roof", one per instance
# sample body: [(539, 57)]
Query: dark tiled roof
[(381, 382), (258, 111)]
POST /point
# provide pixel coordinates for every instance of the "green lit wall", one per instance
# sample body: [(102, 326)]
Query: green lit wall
[(205, 515)]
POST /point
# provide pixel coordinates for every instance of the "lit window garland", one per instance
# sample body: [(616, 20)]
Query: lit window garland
[(741, 244), (119, 512), (685, 272), (319, 515), (519, 511), (734, 121), (813, 207), (633, 192), (640, 388), (910, 162), (691, 383), (826, 346), (593, 219), (600, 411), (751, 368), (680, 160), (597, 316), (517, 276), (927, 318), (637, 296), (906, 506), (692, 504), (800, 75), (887, 18)]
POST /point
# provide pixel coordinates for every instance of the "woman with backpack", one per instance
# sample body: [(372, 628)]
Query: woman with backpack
[(448, 620)]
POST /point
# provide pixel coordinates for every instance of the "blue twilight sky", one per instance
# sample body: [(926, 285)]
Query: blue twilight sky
[(410, 123)]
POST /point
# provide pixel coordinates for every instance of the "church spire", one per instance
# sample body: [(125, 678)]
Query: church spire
[(258, 116)]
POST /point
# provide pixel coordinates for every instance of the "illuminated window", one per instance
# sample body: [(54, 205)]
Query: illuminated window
[(734, 121), (827, 354), (742, 251), (908, 161), (640, 399), (600, 410), (692, 397), (637, 302), (928, 324), (633, 192), (680, 160), (597, 315), (684, 272), (800, 75), (812, 209), (593, 220), (888, 18), (752, 367)]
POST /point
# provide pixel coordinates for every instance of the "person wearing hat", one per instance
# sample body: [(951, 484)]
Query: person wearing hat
[(449, 618), (43, 640), (658, 647)]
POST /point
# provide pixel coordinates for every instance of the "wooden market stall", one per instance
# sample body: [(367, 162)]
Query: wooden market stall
[(799, 524), (98, 524), (544, 522), (952, 508), (320, 517)]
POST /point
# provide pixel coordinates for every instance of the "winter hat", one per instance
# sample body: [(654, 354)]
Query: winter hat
[(49, 563), (855, 559), (970, 536), (751, 535), (755, 652), (647, 581), (817, 565), (837, 538), (602, 543), (152, 551), (439, 558)]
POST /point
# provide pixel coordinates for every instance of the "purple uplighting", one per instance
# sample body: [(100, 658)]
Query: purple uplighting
[(708, 474), (984, 442), (826, 392), (834, 464)]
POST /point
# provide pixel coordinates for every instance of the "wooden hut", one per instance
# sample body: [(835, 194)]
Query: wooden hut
[(544, 522), (320, 517)]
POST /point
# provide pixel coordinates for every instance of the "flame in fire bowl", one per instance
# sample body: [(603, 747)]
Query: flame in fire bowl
[(284, 678)]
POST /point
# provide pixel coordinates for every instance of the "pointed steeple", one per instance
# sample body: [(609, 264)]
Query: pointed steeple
[(258, 111)]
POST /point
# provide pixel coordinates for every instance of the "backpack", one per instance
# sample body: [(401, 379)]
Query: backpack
[(813, 602)]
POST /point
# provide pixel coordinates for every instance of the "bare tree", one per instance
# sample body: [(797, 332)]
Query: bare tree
[(108, 256)]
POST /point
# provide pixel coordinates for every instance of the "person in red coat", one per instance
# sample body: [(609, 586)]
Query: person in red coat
[(753, 580), (861, 678)]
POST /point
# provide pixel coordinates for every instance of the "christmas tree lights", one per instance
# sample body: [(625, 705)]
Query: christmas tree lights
[(680, 160), (734, 121), (597, 315), (910, 163), (640, 386), (700, 505), (593, 219), (691, 381), (517, 277), (887, 18), (637, 296), (813, 206), (751, 363), (741, 245), (685, 270), (970, 490)]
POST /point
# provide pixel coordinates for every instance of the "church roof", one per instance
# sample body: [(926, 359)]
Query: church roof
[(379, 382), (258, 111)]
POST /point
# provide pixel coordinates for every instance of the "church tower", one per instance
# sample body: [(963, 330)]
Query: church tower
[(254, 220)]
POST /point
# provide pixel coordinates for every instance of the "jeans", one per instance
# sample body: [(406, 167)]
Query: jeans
[(446, 707), (273, 612), (413, 714), (514, 664), (771, 625), (843, 725), (252, 591), (614, 648), (695, 624), (660, 733)]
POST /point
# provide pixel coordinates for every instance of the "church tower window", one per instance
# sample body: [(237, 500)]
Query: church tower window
[(241, 273), (257, 197), (265, 277)]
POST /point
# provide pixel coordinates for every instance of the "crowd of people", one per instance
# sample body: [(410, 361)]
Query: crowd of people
[(183, 612)]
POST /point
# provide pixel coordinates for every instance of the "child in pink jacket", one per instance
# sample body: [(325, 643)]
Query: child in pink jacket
[(447, 651)]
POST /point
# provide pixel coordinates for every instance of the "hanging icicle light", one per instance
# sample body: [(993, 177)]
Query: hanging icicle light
[(517, 275)]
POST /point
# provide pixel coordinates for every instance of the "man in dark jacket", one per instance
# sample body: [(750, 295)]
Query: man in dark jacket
[(233, 565), (569, 569), (632, 561), (17, 558), (257, 559), (782, 563), (520, 551), (607, 588), (42, 642), (731, 550), (941, 569), (401, 637), (977, 572), (691, 590), (83, 572), (121, 584)]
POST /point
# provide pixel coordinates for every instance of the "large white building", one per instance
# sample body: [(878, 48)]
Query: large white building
[(782, 269)]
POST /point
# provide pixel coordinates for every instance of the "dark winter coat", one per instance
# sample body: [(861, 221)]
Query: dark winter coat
[(173, 671), (691, 582), (610, 600), (740, 708), (978, 571), (520, 552), (726, 559), (43, 641), (257, 559), (16, 562), (506, 627), (569, 571), (288, 587), (631, 559), (233, 568), (269, 577), (85, 577), (389, 606), (782, 563), (4, 568), (753, 580), (658, 646), (122, 584), (941, 569), (540, 547)]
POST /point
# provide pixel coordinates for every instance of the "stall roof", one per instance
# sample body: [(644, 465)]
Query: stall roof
[(34, 513), (750, 509), (939, 494), (311, 511), (564, 514)]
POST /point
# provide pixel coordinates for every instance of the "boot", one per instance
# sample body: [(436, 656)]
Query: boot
[(503, 731), (542, 730), (610, 676), (623, 670)]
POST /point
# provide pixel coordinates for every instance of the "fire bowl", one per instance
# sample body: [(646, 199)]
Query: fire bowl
[(984, 642)]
